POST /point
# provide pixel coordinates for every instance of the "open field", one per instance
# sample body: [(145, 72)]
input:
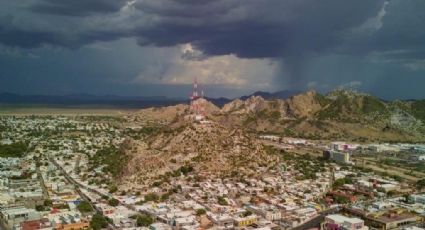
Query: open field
[(395, 171), (23, 110)]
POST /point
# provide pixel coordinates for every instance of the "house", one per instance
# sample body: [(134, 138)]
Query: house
[(268, 212), (17, 215), (105, 209), (419, 198), (245, 221), (336, 222), (420, 157), (160, 226), (6, 199), (83, 224), (223, 221), (389, 187), (413, 228), (41, 224)]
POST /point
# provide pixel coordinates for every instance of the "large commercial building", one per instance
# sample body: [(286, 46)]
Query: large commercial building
[(268, 213), (340, 222), (339, 157)]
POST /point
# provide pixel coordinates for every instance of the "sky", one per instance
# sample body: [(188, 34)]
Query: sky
[(233, 47)]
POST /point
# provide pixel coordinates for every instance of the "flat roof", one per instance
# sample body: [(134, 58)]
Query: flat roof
[(342, 219), (17, 211)]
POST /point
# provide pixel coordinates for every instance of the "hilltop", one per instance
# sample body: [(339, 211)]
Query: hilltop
[(209, 150), (227, 146), (341, 114)]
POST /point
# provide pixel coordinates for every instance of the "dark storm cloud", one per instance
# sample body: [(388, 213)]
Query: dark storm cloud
[(31, 39), (252, 29), (403, 26), (398, 39), (299, 34), (291, 31), (76, 7), (25, 39)]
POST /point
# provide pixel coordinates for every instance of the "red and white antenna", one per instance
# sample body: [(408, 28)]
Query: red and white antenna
[(196, 105)]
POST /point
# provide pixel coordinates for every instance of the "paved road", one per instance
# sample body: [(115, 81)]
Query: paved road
[(77, 188), (41, 180)]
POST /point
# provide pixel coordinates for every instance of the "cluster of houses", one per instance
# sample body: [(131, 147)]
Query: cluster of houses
[(34, 194), (44, 189), (31, 196)]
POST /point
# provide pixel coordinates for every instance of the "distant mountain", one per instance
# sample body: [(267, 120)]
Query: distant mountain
[(88, 100), (340, 114), (122, 101), (219, 101), (284, 94)]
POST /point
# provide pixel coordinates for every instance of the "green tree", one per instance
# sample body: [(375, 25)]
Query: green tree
[(340, 182), (391, 193), (222, 201), (151, 197), (98, 222), (420, 184), (39, 208), (407, 198), (84, 206), (200, 212), (13, 150), (186, 169), (144, 220), (341, 200), (247, 213), (113, 202), (113, 189), (165, 196), (48, 203)]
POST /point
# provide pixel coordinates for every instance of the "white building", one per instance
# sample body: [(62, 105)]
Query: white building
[(160, 226), (413, 228), (334, 221), (340, 157), (420, 198), (13, 216), (342, 146), (267, 212)]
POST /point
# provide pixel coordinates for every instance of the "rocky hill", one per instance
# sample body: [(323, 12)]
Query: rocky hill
[(228, 145), (338, 115), (209, 150), (171, 113)]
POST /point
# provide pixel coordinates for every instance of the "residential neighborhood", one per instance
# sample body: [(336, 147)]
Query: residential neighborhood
[(52, 177)]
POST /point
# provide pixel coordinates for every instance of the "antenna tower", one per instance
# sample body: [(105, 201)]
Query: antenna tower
[(196, 105)]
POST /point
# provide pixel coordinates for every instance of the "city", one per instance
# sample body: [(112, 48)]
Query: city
[(64, 171), (212, 115)]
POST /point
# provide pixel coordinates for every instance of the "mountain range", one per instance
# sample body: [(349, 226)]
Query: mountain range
[(227, 145), (87, 100), (338, 115), (121, 101)]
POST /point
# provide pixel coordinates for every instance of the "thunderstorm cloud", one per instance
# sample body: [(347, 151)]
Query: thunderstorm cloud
[(235, 46)]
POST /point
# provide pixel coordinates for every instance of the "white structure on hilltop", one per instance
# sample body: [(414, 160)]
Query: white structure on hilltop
[(197, 103)]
